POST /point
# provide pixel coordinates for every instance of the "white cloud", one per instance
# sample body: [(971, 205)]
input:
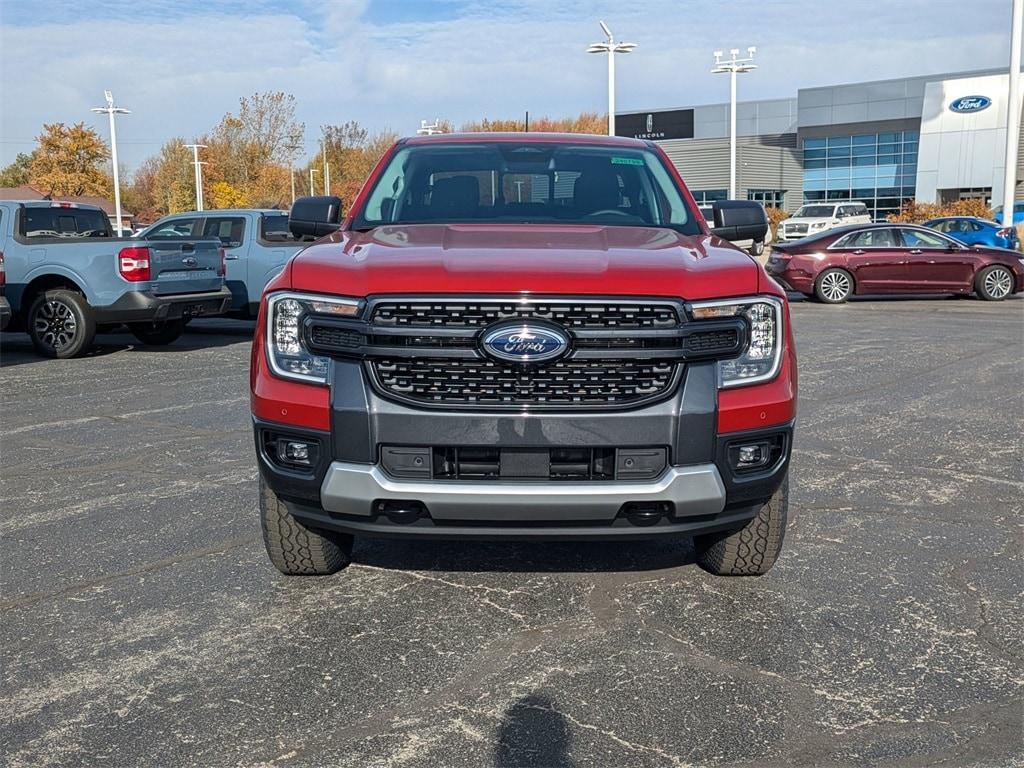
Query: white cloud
[(180, 72)]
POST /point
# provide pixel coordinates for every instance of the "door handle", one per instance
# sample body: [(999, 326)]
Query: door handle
[(915, 250), (858, 252), (230, 257)]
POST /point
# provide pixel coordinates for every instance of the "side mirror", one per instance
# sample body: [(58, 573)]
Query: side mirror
[(315, 216), (740, 220)]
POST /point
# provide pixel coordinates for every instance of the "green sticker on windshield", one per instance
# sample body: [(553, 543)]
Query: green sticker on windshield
[(627, 161)]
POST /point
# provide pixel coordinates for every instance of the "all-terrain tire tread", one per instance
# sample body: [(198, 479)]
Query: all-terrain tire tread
[(754, 548), (294, 549)]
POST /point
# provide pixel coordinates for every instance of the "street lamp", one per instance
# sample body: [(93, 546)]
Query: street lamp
[(198, 173), (611, 48), (1012, 116), (734, 65), (429, 129), (111, 110), (311, 172)]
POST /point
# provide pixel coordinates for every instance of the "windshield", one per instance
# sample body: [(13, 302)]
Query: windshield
[(815, 212), (527, 182), (37, 221)]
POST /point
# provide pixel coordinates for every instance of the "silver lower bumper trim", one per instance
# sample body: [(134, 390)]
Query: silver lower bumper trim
[(351, 489)]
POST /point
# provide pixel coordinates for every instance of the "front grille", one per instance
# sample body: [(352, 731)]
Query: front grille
[(796, 229), (570, 382), (325, 336), (569, 314)]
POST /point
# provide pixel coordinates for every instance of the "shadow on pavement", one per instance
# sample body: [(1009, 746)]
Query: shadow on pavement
[(518, 556), (16, 348), (533, 734)]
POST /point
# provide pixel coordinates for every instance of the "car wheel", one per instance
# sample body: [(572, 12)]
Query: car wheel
[(833, 286), (294, 549), (61, 323), (158, 334), (756, 248), (754, 548), (994, 283)]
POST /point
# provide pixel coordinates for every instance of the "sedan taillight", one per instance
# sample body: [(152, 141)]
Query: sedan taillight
[(133, 264), (222, 270)]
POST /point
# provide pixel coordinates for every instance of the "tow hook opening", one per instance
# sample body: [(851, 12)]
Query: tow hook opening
[(643, 513), (401, 512)]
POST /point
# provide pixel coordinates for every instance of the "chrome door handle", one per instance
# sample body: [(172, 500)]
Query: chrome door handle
[(916, 250), (230, 257), (858, 252)]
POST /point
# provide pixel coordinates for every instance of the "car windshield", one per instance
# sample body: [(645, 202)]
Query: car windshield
[(37, 221), (525, 183), (815, 212)]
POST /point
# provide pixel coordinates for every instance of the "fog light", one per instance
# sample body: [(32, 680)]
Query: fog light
[(751, 455), (293, 452)]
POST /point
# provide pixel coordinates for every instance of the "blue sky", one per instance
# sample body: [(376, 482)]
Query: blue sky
[(179, 65)]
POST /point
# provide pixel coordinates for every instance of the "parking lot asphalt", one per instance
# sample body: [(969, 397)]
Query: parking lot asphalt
[(141, 623)]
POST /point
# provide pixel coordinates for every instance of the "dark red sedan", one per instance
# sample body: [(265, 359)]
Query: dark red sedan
[(893, 258)]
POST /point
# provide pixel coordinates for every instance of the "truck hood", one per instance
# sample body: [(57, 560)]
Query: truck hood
[(541, 259)]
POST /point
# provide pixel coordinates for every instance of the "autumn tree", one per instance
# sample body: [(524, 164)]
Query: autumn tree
[(17, 172), (587, 122), (352, 152), (70, 160)]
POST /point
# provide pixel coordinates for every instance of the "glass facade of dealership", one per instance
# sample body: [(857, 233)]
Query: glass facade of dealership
[(877, 169), (881, 143)]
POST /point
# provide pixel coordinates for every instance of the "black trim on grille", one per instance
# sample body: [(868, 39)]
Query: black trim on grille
[(623, 313), (578, 384)]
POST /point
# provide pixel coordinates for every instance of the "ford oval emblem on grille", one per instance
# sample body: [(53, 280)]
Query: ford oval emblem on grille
[(525, 342)]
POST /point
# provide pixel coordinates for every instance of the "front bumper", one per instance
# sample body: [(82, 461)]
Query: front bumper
[(145, 307), (5, 312), (348, 489)]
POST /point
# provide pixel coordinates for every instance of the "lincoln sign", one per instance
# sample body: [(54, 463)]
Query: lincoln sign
[(673, 124)]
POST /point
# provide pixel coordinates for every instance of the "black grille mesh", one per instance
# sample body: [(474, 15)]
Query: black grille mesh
[(477, 314), (492, 383)]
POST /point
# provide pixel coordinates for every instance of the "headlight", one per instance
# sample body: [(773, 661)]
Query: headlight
[(286, 352), (818, 224), (762, 357)]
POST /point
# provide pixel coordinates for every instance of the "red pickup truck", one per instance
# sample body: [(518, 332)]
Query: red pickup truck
[(524, 336)]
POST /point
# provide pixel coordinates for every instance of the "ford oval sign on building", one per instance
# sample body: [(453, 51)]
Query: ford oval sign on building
[(525, 343), (970, 104)]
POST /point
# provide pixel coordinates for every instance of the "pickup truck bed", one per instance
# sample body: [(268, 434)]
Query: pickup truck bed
[(67, 277)]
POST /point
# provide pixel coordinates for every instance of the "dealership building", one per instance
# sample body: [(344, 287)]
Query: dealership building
[(937, 138)]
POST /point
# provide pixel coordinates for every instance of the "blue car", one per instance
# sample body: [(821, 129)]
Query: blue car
[(1018, 213), (971, 231)]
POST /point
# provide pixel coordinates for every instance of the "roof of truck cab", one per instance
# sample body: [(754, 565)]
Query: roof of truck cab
[(526, 138)]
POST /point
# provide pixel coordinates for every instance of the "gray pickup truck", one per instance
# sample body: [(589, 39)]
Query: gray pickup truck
[(68, 277), (256, 242)]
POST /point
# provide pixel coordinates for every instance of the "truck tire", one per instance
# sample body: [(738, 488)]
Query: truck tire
[(294, 549), (994, 283), (61, 323), (753, 549), (833, 286), (159, 333), (756, 248)]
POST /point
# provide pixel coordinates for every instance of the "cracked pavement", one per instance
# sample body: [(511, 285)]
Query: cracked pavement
[(141, 623)]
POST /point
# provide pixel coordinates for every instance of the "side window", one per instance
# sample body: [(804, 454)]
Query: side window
[(175, 229), (916, 238), (230, 229), (975, 226), (872, 238)]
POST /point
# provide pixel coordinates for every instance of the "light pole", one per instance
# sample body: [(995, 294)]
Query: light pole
[(311, 172), (327, 167), (733, 66), (610, 47), (1012, 116), (111, 110), (429, 129), (292, 150), (198, 172)]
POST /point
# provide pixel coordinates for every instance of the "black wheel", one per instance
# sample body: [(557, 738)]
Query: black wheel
[(158, 333), (753, 549), (757, 248), (294, 549), (994, 283), (833, 286), (61, 324)]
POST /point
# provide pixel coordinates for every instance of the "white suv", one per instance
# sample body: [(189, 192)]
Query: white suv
[(817, 217)]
